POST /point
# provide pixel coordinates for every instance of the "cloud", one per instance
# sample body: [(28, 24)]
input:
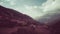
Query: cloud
[(28, 7), (7, 0), (33, 7), (51, 8), (51, 5), (1, 3), (12, 3), (34, 10)]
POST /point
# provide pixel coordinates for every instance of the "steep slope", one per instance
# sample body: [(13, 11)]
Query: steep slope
[(13, 22)]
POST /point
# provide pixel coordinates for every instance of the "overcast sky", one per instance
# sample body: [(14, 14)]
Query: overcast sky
[(33, 8)]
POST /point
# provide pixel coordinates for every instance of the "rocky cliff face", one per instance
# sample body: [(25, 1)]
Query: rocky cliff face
[(13, 22)]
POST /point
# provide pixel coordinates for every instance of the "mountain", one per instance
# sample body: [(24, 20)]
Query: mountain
[(48, 17), (54, 26), (14, 22)]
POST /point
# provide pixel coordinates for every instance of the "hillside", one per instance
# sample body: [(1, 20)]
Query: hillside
[(14, 22)]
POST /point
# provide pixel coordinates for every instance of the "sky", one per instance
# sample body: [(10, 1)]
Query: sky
[(33, 8)]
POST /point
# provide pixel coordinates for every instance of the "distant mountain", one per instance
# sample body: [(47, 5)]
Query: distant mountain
[(54, 26), (48, 17)]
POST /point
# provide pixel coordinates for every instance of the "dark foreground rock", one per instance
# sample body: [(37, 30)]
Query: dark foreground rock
[(13, 22)]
